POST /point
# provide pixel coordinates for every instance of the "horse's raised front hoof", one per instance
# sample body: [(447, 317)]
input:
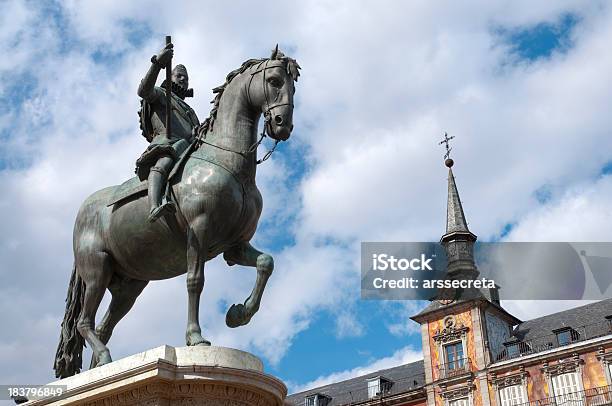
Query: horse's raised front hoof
[(196, 338), (236, 316)]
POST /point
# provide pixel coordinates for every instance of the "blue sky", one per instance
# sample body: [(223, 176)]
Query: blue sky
[(524, 88)]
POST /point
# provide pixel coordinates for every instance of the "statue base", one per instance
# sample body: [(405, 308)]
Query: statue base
[(168, 376)]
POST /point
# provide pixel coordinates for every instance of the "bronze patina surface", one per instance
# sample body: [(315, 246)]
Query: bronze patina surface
[(217, 208)]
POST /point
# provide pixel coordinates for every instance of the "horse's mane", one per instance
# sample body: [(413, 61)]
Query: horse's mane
[(292, 69)]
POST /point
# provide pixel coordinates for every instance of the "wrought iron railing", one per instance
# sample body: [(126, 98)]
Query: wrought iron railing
[(558, 339), (454, 368), (591, 397)]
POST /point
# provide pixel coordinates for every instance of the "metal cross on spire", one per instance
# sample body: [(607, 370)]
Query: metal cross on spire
[(446, 141)]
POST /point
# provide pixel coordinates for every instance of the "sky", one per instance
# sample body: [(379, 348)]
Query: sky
[(523, 86)]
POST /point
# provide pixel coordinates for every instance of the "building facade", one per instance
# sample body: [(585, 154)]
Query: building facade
[(475, 353)]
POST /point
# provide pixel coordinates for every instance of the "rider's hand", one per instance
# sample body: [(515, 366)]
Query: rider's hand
[(165, 55)]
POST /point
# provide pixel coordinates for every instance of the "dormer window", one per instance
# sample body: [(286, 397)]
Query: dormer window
[(513, 350), (378, 386), (566, 336), (317, 399)]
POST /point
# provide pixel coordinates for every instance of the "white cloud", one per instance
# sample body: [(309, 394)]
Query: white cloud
[(580, 215), (401, 325), (379, 87), (347, 325), (530, 309), (400, 357)]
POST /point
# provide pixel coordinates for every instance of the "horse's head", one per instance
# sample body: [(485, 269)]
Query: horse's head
[(270, 89)]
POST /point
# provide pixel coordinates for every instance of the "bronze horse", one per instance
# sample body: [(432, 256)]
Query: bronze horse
[(218, 208)]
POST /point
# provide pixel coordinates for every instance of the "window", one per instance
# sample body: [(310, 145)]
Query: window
[(566, 386), (459, 402), (316, 400), (512, 395), (378, 386), (513, 350), (454, 356), (566, 336)]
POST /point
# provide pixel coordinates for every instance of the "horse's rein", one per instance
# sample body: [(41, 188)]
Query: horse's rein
[(266, 115)]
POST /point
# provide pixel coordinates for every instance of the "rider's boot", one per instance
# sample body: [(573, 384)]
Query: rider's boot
[(157, 185)]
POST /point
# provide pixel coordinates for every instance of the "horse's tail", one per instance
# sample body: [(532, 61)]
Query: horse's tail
[(68, 358)]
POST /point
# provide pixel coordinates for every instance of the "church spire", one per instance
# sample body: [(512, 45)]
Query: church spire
[(455, 217), (458, 240)]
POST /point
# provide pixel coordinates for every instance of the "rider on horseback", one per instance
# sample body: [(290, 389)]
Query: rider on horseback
[(164, 149)]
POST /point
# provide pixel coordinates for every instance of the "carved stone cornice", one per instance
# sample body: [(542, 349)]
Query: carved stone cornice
[(566, 365), (184, 376), (450, 332), (209, 394), (457, 392), (519, 378)]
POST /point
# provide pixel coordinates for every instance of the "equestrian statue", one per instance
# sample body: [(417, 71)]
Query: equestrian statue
[(195, 197)]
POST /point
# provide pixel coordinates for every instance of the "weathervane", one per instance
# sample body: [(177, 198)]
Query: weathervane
[(448, 161)]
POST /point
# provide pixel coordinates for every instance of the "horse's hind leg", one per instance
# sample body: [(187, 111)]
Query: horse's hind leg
[(95, 270), (245, 254), (124, 292)]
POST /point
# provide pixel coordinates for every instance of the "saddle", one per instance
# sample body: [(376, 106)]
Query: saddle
[(134, 187)]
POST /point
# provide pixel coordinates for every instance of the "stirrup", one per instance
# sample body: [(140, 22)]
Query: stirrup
[(157, 212)]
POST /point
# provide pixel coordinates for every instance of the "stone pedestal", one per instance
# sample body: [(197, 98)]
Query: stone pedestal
[(167, 376)]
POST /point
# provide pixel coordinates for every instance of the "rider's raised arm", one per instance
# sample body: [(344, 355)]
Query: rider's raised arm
[(147, 90)]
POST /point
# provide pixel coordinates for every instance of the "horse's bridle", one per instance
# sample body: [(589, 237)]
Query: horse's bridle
[(266, 66), (267, 113)]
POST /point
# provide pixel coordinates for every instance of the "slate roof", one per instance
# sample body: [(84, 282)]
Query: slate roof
[(455, 217), (406, 378), (592, 314), (589, 320), (585, 322), (476, 295)]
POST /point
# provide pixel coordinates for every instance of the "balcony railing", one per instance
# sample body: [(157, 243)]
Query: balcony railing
[(591, 397), (454, 368), (555, 340)]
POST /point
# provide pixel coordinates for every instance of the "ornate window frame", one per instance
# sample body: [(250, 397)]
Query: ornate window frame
[(574, 364), (451, 334), (451, 331), (501, 382), (465, 391)]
